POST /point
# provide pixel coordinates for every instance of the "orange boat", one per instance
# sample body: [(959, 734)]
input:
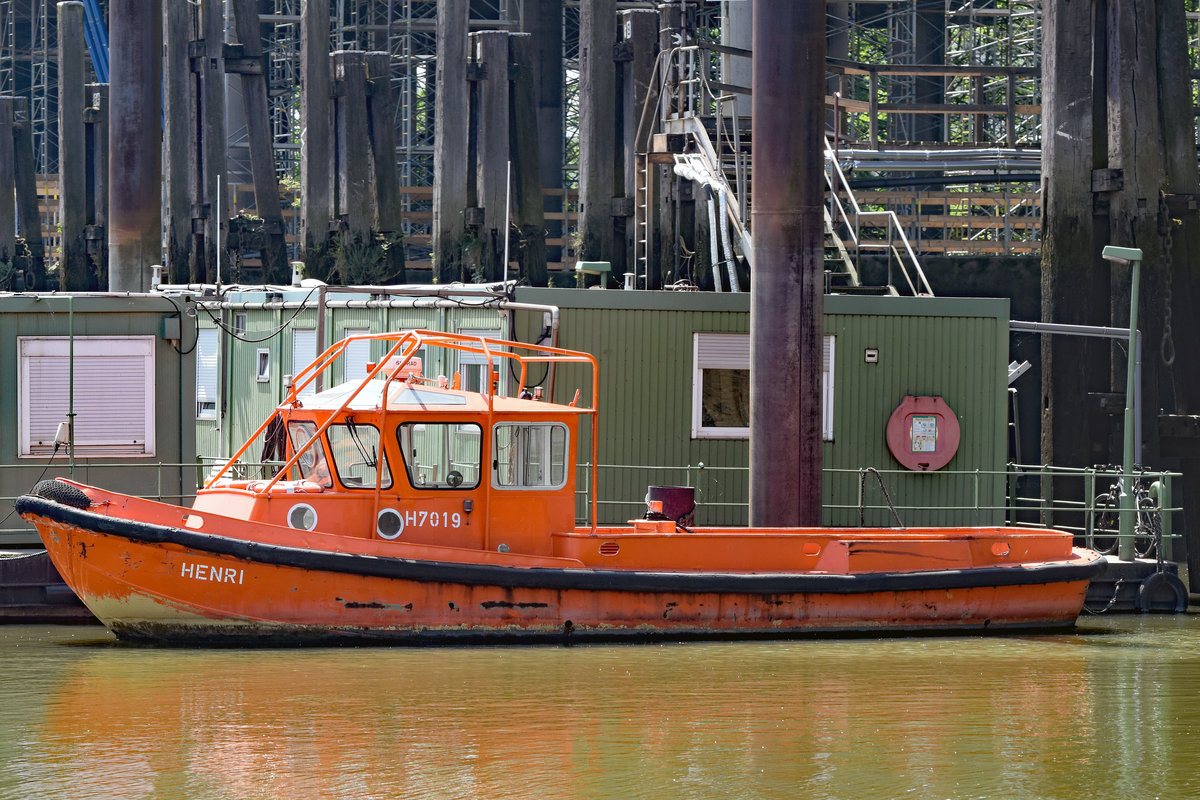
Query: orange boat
[(414, 509)]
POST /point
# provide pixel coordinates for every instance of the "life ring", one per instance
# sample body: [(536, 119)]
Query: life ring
[(1162, 591)]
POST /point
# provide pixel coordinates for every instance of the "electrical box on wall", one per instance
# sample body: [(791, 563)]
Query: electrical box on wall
[(923, 433)]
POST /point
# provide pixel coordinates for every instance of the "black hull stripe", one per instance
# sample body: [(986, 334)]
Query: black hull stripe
[(559, 579)]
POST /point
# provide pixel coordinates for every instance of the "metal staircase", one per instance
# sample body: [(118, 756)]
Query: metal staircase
[(685, 125)]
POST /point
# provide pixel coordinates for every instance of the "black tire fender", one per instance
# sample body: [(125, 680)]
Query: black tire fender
[(1162, 591), (62, 493)]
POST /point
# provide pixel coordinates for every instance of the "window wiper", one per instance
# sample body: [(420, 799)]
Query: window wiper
[(370, 457)]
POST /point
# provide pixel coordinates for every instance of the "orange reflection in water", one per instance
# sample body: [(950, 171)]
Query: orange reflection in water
[(817, 718)]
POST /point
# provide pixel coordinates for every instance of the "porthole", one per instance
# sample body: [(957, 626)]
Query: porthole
[(389, 524), (303, 517)]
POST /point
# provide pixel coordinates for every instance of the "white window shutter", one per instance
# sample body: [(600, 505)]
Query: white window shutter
[(113, 393), (206, 374), (304, 352), (356, 356)]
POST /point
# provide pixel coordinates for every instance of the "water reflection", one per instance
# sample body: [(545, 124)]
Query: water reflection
[(1108, 710)]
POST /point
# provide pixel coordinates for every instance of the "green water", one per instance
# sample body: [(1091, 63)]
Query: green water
[(1109, 710)]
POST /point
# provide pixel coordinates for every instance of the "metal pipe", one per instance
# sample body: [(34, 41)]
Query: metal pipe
[(1100, 332), (712, 239)]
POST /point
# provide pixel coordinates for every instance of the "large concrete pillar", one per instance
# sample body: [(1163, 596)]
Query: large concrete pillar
[(135, 137), (786, 303)]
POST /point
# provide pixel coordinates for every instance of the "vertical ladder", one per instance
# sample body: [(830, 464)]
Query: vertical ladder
[(642, 215)]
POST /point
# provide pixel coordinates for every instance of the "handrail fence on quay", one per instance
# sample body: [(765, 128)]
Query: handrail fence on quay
[(1069, 499)]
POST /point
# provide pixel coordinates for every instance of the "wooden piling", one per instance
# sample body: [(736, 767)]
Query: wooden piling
[(29, 217), (638, 34), (450, 141), (529, 214), (597, 129), (544, 21), (179, 140), (316, 143), (135, 140), (490, 55), (213, 198), (74, 273), (96, 208), (251, 67), (352, 204), (8, 178), (381, 113)]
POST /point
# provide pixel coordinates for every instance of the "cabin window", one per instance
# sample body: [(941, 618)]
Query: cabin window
[(721, 386), (206, 373), (441, 455), (311, 466), (529, 456), (357, 456), (114, 393)]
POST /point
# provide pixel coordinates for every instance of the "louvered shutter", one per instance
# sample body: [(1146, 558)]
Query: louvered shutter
[(304, 352), (113, 397), (206, 374)]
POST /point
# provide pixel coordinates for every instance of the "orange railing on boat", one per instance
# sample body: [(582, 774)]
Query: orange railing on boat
[(407, 345)]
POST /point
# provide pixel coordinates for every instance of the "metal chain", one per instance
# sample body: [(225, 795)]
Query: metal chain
[(1167, 346)]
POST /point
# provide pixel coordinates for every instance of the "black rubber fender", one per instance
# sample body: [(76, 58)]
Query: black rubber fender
[(62, 493), (1162, 592)]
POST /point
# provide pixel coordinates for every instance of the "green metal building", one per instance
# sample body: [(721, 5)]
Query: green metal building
[(121, 368)]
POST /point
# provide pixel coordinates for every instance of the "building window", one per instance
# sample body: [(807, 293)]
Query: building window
[(113, 393), (356, 356), (473, 367), (721, 386), (304, 352), (207, 385), (262, 365)]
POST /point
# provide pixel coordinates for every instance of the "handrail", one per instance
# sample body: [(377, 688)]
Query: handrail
[(853, 217)]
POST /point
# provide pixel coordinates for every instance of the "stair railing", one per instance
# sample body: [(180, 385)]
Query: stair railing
[(845, 212)]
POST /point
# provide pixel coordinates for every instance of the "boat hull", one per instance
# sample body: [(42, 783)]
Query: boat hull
[(148, 581)]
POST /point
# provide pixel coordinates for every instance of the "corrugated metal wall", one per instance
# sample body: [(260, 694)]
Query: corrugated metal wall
[(955, 348)]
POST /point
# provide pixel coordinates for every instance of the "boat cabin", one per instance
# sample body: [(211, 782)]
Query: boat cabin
[(401, 455)]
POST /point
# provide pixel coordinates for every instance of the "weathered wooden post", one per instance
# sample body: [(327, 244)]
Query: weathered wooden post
[(597, 128), (8, 180), (316, 143), (74, 273), (96, 129), (489, 50), (211, 206), (450, 141), (179, 140), (544, 22), (135, 139), (1073, 291), (353, 200), (529, 222), (250, 66), (638, 47), (29, 217), (381, 111)]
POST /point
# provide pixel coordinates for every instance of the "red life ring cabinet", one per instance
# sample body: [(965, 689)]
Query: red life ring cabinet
[(923, 433)]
